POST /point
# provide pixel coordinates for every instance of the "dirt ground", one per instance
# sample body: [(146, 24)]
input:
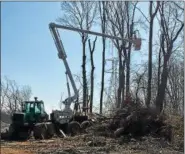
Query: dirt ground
[(92, 142), (88, 144)]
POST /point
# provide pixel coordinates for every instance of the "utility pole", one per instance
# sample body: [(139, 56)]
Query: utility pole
[(112, 87)]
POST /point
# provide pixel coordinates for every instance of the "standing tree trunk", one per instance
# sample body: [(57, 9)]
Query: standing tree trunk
[(150, 58), (162, 86), (159, 69), (130, 12), (103, 23), (152, 15), (91, 49), (84, 75), (129, 24), (128, 74), (120, 80), (123, 83)]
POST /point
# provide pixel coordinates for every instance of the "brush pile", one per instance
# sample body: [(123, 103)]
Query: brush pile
[(5, 123), (133, 122)]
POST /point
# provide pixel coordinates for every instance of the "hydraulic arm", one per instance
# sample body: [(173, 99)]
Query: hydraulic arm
[(135, 40), (62, 55)]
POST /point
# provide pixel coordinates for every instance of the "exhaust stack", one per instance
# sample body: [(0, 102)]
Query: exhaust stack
[(35, 98)]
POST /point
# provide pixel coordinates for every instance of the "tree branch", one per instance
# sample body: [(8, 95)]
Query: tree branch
[(178, 32), (143, 14)]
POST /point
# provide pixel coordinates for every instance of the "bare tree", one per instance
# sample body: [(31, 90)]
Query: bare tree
[(171, 26), (174, 89), (13, 95), (4, 92), (115, 13), (91, 49), (81, 15), (102, 6), (26, 93), (121, 23)]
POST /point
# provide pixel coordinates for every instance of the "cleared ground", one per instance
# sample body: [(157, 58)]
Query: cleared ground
[(91, 143), (88, 144)]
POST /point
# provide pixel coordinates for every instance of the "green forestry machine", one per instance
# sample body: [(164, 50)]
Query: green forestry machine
[(32, 118)]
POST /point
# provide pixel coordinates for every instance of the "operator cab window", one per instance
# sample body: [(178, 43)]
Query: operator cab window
[(31, 107), (27, 107), (37, 108), (42, 107)]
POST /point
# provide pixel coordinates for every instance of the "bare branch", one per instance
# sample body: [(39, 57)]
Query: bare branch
[(142, 14), (178, 32), (179, 6)]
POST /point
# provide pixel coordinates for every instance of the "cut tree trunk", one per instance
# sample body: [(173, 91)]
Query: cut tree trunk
[(92, 72)]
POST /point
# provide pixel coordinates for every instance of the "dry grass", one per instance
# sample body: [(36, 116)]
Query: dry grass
[(5, 150), (90, 144), (177, 123)]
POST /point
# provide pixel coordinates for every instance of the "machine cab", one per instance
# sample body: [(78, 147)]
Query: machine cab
[(34, 111)]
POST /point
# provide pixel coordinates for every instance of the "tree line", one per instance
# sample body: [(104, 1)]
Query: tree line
[(159, 81), (156, 82), (12, 95)]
